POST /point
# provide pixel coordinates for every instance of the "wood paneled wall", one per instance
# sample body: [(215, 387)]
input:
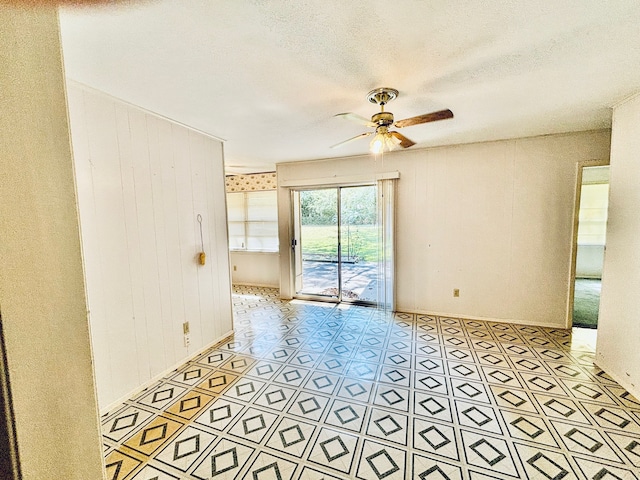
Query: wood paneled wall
[(142, 181)]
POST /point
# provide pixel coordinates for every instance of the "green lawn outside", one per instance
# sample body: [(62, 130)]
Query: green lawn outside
[(357, 241)]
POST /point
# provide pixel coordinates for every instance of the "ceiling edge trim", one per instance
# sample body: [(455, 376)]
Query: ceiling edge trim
[(339, 180), (84, 86), (626, 99), (447, 145)]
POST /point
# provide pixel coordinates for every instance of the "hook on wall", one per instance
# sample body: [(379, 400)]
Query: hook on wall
[(202, 257)]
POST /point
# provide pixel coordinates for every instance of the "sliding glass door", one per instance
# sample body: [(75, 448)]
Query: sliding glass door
[(317, 247), (359, 244), (336, 244)]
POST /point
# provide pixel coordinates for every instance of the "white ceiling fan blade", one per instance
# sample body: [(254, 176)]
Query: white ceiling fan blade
[(354, 117), (362, 135)]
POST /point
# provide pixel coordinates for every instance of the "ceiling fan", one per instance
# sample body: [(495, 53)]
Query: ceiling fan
[(383, 121)]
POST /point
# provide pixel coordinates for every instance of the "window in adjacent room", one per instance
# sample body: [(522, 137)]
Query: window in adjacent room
[(592, 228), (253, 221)]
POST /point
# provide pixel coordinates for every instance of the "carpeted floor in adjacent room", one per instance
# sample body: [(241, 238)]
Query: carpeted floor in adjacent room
[(586, 302)]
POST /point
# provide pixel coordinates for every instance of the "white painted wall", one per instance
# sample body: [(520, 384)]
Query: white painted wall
[(491, 219), (589, 261), (255, 268), (617, 349), (42, 292), (142, 181)]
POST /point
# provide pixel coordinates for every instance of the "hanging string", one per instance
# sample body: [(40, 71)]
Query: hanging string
[(202, 257), (199, 218), (379, 156)]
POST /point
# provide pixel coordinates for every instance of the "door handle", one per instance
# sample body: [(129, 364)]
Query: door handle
[(294, 242)]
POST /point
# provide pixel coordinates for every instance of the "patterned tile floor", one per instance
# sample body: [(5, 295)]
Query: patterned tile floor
[(308, 391)]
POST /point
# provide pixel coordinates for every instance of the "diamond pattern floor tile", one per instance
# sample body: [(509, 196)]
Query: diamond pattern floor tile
[(308, 391)]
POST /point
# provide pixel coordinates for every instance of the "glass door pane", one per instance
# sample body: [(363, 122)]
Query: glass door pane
[(359, 244), (318, 246)]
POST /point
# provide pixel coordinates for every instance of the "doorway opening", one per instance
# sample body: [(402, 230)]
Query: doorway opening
[(336, 244), (589, 244), (9, 461)]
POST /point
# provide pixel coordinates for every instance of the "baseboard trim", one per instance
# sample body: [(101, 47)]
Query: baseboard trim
[(263, 285), (145, 386), (487, 319), (623, 382)]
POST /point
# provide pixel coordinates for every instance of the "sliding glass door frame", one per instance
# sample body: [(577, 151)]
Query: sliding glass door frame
[(297, 245)]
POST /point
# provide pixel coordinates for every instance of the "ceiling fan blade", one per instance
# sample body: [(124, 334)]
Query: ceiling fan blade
[(404, 141), (354, 117), (362, 135), (427, 117)]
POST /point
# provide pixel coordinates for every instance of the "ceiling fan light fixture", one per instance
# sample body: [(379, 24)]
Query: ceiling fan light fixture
[(377, 144), (383, 140)]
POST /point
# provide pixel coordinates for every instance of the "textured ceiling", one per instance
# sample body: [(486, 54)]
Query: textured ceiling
[(267, 76)]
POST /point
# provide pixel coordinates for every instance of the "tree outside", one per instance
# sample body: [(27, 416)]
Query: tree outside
[(358, 215)]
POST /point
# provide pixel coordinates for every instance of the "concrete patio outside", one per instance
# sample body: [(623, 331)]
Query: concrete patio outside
[(359, 280)]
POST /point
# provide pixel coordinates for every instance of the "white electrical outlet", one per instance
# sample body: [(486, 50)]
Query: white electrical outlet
[(185, 332)]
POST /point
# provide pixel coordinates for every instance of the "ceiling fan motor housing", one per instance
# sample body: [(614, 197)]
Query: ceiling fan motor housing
[(383, 119)]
